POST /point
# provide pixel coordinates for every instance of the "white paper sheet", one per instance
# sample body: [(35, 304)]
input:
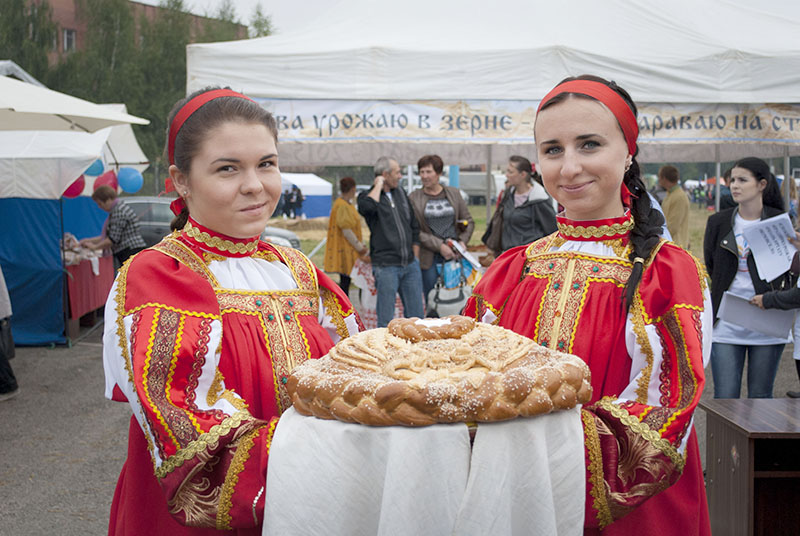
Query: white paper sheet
[(469, 256), (768, 242), (738, 310)]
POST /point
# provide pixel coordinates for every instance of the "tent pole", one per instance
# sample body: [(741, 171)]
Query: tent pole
[(787, 176), (64, 273), (489, 180), (717, 186)]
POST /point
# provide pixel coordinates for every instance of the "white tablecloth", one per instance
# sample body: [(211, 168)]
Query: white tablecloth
[(524, 476)]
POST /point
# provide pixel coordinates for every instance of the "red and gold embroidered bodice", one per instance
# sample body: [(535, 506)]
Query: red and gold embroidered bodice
[(202, 333), (566, 291)]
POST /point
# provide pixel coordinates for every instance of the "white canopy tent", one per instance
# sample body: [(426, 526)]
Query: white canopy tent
[(122, 149), (42, 164), (715, 80), (309, 183), (27, 106)]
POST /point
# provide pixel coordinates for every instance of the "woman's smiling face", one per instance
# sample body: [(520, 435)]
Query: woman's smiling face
[(582, 157), (234, 182)]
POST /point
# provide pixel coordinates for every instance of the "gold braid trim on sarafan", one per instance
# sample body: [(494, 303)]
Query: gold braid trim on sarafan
[(417, 373)]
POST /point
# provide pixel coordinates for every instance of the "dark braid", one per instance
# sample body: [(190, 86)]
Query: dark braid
[(179, 221), (648, 223), (646, 232)]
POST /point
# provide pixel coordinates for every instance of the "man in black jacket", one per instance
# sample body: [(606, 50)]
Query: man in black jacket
[(394, 242)]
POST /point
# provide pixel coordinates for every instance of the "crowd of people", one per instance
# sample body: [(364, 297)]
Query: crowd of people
[(203, 329)]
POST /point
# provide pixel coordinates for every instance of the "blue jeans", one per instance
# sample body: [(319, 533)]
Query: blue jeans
[(727, 365), (392, 280)]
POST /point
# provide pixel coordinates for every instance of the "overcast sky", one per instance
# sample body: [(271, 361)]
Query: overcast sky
[(286, 14)]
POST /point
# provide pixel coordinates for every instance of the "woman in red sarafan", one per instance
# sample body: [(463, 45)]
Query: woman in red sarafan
[(203, 329), (635, 307)]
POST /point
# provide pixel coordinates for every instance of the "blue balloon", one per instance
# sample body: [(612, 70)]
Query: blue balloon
[(130, 180), (95, 169)]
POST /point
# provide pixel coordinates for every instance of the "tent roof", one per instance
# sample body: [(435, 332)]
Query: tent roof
[(308, 183), (678, 51), (9, 68)]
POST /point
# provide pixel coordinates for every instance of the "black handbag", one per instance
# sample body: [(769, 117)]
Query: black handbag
[(493, 237)]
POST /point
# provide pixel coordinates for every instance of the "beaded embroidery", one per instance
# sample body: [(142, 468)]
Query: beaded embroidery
[(606, 231), (245, 247)]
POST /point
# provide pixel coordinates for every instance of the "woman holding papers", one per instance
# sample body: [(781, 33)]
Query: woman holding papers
[(786, 300), (732, 268), (606, 287)]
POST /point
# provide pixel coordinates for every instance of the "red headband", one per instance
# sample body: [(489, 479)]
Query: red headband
[(613, 101), (191, 107)]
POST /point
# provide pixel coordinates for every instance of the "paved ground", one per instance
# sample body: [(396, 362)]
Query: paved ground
[(62, 444)]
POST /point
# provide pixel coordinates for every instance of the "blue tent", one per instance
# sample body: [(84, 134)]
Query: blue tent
[(31, 260), (318, 193)]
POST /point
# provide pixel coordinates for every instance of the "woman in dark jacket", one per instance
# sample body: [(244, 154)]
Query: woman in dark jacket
[(528, 210), (732, 268)]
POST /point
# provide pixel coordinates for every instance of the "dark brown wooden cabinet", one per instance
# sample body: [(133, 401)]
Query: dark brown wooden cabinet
[(753, 466)]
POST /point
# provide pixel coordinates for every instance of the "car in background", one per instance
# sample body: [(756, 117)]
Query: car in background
[(155, 216)]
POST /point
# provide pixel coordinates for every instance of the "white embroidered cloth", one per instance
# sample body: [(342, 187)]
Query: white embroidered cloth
[(524, 476)]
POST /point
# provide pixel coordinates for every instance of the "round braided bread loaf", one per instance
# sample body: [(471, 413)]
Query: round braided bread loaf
[(421, 372)]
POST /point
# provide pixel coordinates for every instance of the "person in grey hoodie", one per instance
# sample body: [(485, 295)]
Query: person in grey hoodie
[(528, 210)]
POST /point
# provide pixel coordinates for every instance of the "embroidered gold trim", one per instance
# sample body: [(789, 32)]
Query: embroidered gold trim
[(674, 311), (209, 440), (179, 251), (215, 389), (306, 279), (173, 309), (209, 257), (638, 319), (592, 231), (219, 243), (123, 339), (235, 468), (644, 431), (267, 255), (702, 274), (271, 432), (334, 311), (596, 476), (146, 374)]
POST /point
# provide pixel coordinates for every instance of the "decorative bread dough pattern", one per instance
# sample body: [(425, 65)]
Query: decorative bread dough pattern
[(417, 373)]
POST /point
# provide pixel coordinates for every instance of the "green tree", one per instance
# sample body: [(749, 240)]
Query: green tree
[(260, 24), (103, 70), (27, 34), (221, 26), (162, 64)]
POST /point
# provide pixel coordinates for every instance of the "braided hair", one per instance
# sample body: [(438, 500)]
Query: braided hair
[(646, 232)]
